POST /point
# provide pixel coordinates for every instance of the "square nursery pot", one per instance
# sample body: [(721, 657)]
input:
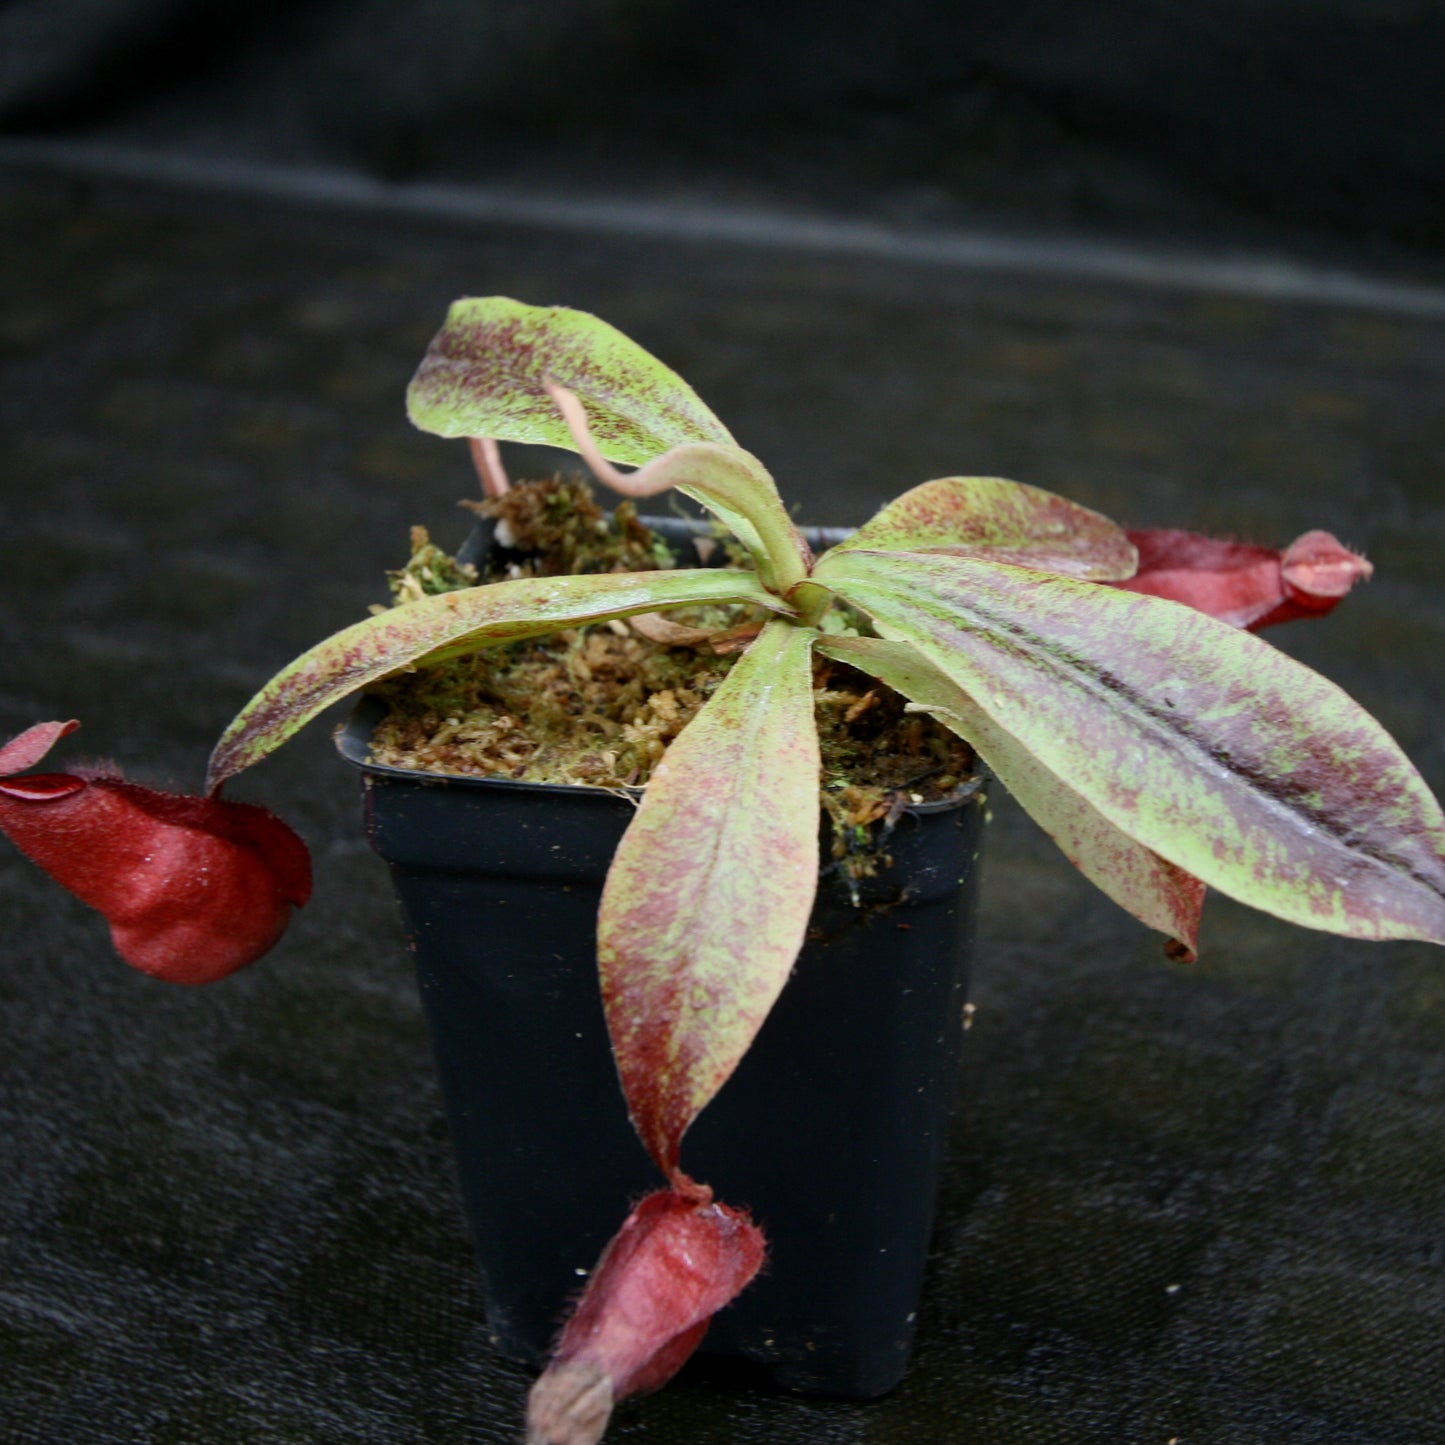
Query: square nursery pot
[(831, 1131)]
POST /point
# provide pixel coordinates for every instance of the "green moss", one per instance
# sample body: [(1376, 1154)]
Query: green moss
[(428, 571)]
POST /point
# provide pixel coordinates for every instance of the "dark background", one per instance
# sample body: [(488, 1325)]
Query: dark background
[(1201, 1204), (1297, 122)]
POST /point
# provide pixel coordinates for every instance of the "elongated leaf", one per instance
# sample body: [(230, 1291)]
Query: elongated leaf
[(708, 898), (503, 369), (1136, 878), (1201, 742), (484, 372), (1001, 520), (448, 625)]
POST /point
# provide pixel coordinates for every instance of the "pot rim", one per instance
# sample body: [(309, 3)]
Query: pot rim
[(352, 740)]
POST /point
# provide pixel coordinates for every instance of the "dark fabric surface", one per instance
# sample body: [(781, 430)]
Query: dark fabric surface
[(1154, 115), (1194, 1204)]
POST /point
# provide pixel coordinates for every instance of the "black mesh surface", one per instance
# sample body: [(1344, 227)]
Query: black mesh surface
[(1183, 1204)]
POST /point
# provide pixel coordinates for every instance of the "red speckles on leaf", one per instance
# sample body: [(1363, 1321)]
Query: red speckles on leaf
[(193, 888), (1001, 520), (1207, 746), (1247, 586), (484, 374), (707, 901), (679, 1258), (448, 625), (1135, 877)]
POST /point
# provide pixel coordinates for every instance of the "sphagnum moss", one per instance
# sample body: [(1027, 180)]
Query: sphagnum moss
[(599, 705)]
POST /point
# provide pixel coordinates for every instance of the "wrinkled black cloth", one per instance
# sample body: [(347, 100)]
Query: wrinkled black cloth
[(1153, 115), (1200, 1203)]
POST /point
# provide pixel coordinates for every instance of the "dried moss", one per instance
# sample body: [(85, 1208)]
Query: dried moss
[(594, 705), (558, 528), (598, 705), (428, 571)]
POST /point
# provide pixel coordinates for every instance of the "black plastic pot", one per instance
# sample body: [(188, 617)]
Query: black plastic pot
[(830, 1131)]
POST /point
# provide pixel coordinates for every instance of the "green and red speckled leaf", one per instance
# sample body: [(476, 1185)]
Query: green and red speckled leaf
[(1003, 521), (709, 894), (1136, 878), (448, 625), (484, 375), (487, 374), (1199, 741)]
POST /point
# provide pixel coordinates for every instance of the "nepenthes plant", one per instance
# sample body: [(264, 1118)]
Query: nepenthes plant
[(1112, 681)]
